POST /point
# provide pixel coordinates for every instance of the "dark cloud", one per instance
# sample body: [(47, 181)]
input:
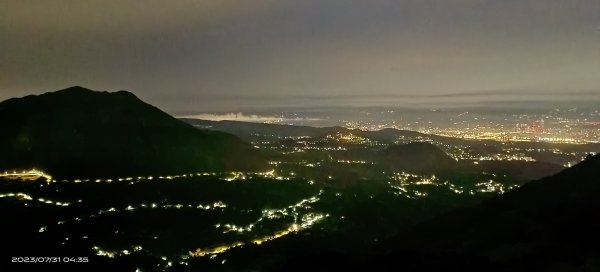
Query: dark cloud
[(204, 55)]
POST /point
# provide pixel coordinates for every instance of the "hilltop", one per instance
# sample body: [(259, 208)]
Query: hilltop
[(77, 132), (417, 157)]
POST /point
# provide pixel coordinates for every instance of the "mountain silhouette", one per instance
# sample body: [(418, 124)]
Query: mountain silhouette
[(77, 132), (417, 157)]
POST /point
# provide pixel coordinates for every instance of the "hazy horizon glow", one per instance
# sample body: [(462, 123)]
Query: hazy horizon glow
[(228, 55)]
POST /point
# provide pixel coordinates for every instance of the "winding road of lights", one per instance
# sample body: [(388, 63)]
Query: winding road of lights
[(26, 197), (32, 174), (300, 212), (300, 223)]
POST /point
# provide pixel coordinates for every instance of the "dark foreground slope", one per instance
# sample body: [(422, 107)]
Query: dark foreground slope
[(547, 225), (81, 133)]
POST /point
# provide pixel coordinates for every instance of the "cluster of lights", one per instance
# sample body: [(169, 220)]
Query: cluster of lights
[(269, 214), (326, 148), (354, 162), (113, 254), (552, 127), (308, 220), (349, 138), (301, 222), (454, 188), (50, 202), (506, 157), (241, 176), (405, 178), (400, 181), (492, 186), (32, 174), (294, 150), (214, 250), (512, 154), (22, 196), (504, 135), (563, 140)]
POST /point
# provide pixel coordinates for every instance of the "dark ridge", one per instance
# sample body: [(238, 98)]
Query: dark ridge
[(77, 132)]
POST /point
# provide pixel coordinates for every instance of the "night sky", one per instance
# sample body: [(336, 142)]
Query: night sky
[(210, 55)]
